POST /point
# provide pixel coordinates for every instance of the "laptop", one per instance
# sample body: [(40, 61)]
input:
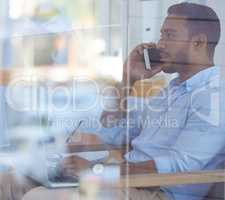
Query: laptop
[(40, 161), (45, 172), (44, 168)]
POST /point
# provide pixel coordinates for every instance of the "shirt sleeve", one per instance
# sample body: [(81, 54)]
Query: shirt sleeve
[(123, 133), (127, 128), (200, 141)]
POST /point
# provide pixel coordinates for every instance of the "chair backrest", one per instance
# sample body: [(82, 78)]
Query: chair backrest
[(5, 77), (148, 87)]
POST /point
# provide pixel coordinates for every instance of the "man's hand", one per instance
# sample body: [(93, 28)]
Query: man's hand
[(133, 70), (85, 139), (73, 165), (134, 67)]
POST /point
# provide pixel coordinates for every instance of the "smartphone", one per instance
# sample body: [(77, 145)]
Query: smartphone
[(151, 58)]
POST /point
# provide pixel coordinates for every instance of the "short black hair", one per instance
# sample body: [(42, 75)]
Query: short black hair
[(201, 19)]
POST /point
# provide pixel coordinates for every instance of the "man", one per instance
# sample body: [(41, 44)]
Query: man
[(181, 129)]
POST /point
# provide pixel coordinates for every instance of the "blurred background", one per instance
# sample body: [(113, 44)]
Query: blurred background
[(61, 56)]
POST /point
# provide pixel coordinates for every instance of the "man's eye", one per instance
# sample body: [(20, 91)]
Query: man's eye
[(166, 36), (170, 36)]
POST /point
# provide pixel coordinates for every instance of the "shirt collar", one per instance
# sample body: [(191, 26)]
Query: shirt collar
[(198, 80)]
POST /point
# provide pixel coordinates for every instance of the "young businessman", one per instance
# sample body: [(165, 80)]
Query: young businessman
[(181, 129)]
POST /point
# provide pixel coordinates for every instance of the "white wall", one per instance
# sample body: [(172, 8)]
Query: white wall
[(2, 14), (219, 6), (145, 19), (134, 22)]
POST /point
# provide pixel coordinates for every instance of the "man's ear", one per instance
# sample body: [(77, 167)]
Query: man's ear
[(199, 41)]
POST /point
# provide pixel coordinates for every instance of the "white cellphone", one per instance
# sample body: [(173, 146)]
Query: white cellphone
[(152, 58), (147, 60)]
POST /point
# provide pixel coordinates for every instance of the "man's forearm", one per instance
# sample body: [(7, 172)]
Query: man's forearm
[(138, 168)]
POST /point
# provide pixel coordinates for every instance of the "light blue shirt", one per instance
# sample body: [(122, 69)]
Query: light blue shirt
[(182, 129), (3, 117)]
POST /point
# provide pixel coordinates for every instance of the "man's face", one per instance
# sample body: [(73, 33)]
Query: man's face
[(174, 44)]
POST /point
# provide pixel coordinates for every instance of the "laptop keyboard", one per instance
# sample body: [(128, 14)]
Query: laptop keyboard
[(63, 179), (55, 174)]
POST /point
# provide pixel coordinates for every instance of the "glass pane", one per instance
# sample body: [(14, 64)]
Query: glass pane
[(60, 56)]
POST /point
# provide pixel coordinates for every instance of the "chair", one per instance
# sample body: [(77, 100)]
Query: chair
[(148, 87)]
